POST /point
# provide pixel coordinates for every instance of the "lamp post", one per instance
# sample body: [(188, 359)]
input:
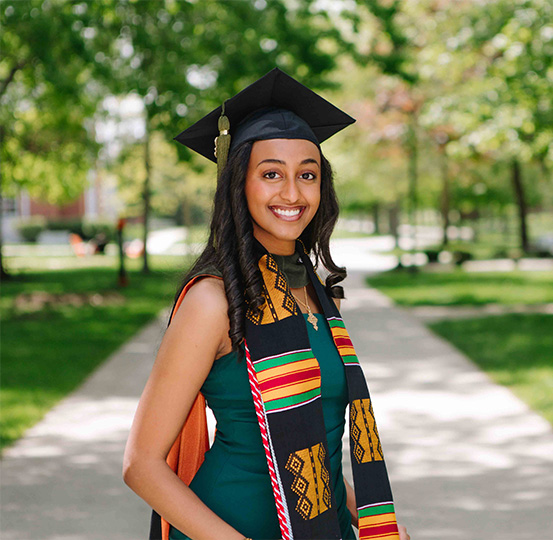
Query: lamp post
[(122, 279)]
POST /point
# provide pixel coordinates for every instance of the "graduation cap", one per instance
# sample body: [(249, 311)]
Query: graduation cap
[(276, 106)]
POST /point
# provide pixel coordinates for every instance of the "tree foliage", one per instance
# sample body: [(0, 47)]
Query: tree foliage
[(465, 84), (45, 98), (462, 100), (497, 66)]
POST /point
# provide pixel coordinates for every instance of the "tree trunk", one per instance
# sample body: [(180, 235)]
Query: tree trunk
[(412, 149), (393, 217), (476, 225), (521, 202), (3, 274), (505, 229), (186, 212), (446, 197), (146, 197), (376, 217)]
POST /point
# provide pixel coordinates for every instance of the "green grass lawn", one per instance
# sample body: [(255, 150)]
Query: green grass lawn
[(458, 287), (516, 350), (47, 351)]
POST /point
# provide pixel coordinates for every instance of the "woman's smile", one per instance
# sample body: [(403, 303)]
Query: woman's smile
[(287, 214)]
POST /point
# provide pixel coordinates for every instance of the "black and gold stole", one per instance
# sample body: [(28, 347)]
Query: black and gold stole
[(285, 382)]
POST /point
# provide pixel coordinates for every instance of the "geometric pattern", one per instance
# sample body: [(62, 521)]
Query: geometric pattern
[(311, 481), (342, 340), (378, 521), (364, 435), (279, 300)]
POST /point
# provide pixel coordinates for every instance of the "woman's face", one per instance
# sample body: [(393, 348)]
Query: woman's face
[(283, 190)]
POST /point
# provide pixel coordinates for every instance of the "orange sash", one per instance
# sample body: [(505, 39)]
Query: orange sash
[(187, 453)]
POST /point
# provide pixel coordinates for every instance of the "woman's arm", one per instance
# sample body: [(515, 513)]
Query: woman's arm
[(198, 331), (350, 493), (351, 504)]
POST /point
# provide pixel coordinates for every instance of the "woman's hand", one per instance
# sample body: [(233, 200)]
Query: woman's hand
[(403, 534), (350, 502)]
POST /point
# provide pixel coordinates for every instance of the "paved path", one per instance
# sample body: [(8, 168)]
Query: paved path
[(467, 459), (62, 481)]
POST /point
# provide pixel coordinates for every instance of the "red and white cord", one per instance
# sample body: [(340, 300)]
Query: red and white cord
[(283, 517)]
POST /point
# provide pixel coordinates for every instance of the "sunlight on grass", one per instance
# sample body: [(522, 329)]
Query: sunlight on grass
[(465, 288), (516, 350), (48, 351)]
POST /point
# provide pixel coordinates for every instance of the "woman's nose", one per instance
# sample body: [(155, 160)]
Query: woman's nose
[(290, 191)]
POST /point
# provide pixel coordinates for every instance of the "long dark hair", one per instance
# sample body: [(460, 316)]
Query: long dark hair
[(230, 244)]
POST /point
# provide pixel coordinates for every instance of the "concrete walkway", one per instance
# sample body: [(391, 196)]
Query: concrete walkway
[(62, 481), (467, 459)]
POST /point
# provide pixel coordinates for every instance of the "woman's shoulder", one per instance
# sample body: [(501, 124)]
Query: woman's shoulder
[(207, 293), (209, 300)]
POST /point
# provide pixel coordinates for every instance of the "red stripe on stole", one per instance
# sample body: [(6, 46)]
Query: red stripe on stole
[(343, 341), (378, 530), (284, 380)]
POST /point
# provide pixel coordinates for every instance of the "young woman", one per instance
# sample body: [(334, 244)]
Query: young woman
[(257, 334)]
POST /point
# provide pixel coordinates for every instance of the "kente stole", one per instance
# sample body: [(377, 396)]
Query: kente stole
[(285, 381)]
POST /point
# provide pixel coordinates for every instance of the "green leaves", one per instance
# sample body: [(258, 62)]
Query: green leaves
[(59, 59)]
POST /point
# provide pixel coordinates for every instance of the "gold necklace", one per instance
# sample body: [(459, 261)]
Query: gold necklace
[(310, 317)]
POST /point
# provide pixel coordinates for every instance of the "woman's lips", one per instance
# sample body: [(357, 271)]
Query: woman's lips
[(287, 214)]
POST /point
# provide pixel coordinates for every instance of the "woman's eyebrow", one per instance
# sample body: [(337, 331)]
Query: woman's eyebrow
[(309, 160), (272, 160)]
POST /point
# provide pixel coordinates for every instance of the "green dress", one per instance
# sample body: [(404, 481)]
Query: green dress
[(233, 480)]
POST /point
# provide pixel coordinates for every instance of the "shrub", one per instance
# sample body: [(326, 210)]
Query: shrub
[(85, 229), (94, 229), (74, 226), (31, 228), (459, 257)]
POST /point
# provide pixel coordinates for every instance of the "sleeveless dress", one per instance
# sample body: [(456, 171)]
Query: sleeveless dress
[(234, 480)]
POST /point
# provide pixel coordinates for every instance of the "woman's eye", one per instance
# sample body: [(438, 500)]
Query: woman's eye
[(308, 176), (271, 175)]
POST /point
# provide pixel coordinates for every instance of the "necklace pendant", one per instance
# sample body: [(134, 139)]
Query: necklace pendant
[(313, 320)]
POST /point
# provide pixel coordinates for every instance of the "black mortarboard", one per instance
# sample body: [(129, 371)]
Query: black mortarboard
[(276, 106)]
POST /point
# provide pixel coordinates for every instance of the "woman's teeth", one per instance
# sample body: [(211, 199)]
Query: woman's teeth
[(282, 212)]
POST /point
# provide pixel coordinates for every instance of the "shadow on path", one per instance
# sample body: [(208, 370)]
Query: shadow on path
[(63, 479), (467, 459)]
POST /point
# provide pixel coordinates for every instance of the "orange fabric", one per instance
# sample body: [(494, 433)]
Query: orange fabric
[(79, 247), (187, 453)]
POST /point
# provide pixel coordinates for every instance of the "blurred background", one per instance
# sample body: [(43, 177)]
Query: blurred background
[(445, 180)]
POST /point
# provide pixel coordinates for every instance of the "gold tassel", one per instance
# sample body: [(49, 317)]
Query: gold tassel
[(222, 142)]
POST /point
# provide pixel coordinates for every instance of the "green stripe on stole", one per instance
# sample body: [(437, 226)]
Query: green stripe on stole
[(261, 365), (292, 400)]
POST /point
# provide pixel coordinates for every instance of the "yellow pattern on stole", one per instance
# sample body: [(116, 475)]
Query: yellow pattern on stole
[(311, 481), (364, 435), (279, 300)]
